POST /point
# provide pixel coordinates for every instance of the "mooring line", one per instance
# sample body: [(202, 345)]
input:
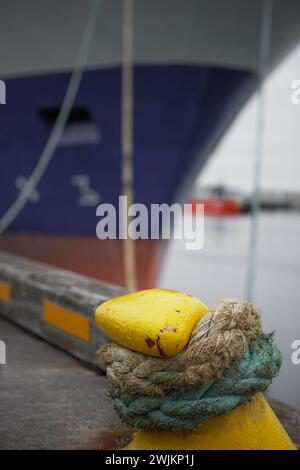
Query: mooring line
[(127, 143)]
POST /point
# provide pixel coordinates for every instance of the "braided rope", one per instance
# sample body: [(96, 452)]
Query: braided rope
[(226, 361), (188, 409), (220, 337)]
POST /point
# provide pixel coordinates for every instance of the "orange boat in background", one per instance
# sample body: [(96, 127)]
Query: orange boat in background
[(217, 207)]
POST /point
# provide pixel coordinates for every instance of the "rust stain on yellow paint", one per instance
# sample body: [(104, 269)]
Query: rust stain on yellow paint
[(155, 322), (5, 289), (66, 320)]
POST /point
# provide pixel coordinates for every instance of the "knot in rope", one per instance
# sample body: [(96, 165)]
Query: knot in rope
[(227, 360)]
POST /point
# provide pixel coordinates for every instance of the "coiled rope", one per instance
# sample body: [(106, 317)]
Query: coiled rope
[(227, 360)]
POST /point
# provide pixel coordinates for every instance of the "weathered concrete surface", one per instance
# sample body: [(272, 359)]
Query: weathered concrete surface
[(49, 400), (32, 283), (290, 418)]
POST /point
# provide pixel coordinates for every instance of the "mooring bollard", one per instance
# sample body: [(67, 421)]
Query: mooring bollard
[(189, 377)]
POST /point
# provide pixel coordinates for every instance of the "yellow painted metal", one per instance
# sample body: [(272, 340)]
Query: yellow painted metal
[(251, 426), (159, 322), (156, 322), (67, 320), (5, 290)]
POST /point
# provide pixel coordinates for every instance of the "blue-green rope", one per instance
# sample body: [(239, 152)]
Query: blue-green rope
[(186, 410)]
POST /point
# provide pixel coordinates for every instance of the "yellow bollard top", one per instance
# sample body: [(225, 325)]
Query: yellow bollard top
[(156, 322)]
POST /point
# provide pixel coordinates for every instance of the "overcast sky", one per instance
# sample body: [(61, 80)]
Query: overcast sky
[(232, 162)]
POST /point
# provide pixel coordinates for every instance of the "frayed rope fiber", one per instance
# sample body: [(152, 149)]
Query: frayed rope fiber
[(227, 360)]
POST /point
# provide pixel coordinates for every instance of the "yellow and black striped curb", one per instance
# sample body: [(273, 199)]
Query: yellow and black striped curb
[(54, 304)]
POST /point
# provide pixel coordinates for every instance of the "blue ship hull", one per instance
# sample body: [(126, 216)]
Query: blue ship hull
[(180, 114)]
